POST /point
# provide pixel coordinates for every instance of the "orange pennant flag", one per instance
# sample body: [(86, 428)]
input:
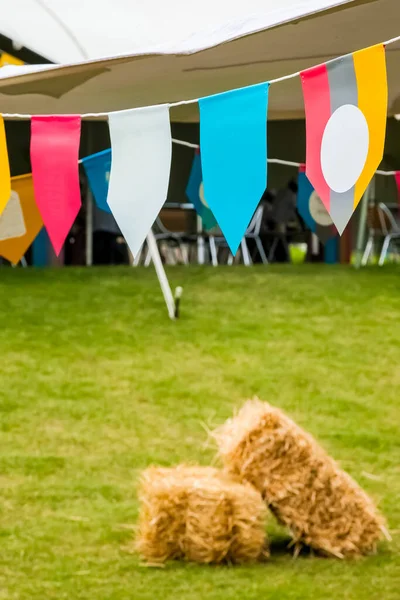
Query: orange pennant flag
[(20, 222)]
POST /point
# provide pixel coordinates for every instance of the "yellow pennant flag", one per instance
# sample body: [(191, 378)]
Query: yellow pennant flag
[(5, 181), (8, 59)]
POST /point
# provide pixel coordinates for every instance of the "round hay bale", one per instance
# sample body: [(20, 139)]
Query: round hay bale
[(199, 514), (322, 506)]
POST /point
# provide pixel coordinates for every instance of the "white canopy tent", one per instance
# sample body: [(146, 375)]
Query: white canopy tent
[(124, 54), (119, 54), (79, 30)]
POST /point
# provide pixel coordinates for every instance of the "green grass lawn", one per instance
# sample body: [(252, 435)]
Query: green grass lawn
[(96, 383)]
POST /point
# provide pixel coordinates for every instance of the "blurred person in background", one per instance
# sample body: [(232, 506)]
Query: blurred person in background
[(284, 216)]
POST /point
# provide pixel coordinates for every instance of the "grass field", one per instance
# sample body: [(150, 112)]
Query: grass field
[(96, 384)]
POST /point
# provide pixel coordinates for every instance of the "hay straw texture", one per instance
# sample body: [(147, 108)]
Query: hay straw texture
[(304, 488), (199, 514)]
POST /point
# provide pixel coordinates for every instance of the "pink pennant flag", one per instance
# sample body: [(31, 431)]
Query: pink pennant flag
[(54, 158), (397, 179)]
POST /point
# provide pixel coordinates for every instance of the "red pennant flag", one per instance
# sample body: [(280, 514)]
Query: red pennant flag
[(54, 158)]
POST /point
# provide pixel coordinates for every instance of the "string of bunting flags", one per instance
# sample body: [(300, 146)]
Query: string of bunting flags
[(21, 221), (346, 110)]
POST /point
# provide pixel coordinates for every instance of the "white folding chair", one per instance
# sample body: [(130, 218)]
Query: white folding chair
[(375, 233), (175, 238), (217, 242), (253, 233), (390, 229), (23, 262)]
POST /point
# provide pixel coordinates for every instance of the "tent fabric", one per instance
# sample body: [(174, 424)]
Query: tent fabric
[(291, 35), (71, 31)]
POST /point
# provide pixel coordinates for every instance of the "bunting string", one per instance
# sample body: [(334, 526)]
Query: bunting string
[(275, 161)]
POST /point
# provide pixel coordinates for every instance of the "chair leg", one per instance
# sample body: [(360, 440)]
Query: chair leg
[(385, 249), (230, 259), (213, 251), (261, 250), (184, 253), (200, 250), (136, 260), (396, 249), (147, 260), (246, 254), (172, 255), (367, 251), (272, 250)]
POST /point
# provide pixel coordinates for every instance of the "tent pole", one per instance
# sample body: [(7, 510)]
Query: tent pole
[(162, 276), (362, 226), (89, 228), (200, 240), (89, 208)]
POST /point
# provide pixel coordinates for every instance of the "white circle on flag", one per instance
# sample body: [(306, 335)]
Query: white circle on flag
[(318, 211), (344, 148), (201, 195)]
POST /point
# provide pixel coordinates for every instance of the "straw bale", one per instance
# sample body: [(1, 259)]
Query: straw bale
[(305, 489), (199, 514)]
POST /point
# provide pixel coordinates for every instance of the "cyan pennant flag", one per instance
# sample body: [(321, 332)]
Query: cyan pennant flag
[(312, 210), (233, 141), (97, 167), (195, 193)]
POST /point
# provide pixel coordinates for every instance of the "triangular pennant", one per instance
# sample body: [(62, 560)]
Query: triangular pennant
[(5, 182), (312, 210), (54, 157), (97, 168), (14, 248), (141, 162), (346, 105), (195, 193), (233, 141)]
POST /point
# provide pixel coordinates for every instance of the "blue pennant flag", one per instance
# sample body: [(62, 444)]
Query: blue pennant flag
[(233, 141), (312, 210), (97, 167), (195, 193)]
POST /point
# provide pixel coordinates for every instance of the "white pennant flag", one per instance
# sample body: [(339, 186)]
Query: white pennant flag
[(141, 148)]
